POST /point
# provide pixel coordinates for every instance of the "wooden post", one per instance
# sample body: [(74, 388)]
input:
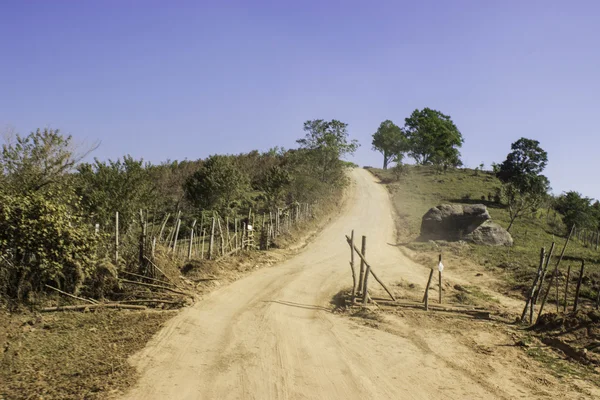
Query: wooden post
[(117, 240), (191, 240), (567, 288), (426, 296), (212, 239), (541, 285), (365, 285), (142, 243), (578, 287), (440, 279), (531, 295), (352, 265), (153, 246), (361, 274), (555, 272)]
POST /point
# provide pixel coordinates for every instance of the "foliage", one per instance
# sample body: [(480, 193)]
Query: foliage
[(433, 138), (525, 200), (107, 187), (217, 185), (526, 161), (326, 143), (578, 210), (38, 160), (43, 240), (274, 183), (525, 189), (390, 141)]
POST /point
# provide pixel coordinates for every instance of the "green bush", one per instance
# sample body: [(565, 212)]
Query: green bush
[(43, 241)]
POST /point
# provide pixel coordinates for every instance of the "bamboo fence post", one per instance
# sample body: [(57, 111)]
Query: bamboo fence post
[(178, 226), (153, 246), (531, 294), (212, 239), (426, 296), (352, 265), (228, 236), (162, 227), (532, 303), (578, 287), (235, 235), (361, 274), (203, 240), (555, 273), (117, 240), (567, 288), (191, 240), (221, 236)]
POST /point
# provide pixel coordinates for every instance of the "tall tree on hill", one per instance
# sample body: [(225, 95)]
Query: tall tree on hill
[(390, 141), (433, 138), (525, 189), (327, 143)]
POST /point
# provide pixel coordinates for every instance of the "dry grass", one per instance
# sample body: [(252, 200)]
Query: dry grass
[(72, 355), (423, 187)]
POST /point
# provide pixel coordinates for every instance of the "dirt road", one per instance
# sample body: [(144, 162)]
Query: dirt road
[(272, 335)]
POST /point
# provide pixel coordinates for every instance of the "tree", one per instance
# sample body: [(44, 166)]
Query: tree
[(390, 141), (273, 183), (577, 210), (527, 159), (217, 185), (327, 142), (38, 160), (525, 200), (524, 186), (433, 138), (124, 185)]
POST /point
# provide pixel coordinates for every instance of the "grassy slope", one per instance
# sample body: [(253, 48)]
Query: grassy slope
[(422, 188)]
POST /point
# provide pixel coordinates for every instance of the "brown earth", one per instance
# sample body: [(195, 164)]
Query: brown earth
[(273, 335)]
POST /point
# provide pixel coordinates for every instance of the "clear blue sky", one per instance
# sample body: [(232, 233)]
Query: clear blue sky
[(185, 79)]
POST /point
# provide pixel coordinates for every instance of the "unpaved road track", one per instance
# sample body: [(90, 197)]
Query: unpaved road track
[(272, 335)]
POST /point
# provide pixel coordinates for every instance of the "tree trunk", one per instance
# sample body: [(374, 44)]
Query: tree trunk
[(386, 160)]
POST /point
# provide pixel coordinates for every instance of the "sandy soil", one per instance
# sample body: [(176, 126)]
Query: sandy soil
[(272, 335)]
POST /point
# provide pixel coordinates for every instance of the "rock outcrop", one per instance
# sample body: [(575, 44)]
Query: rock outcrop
[(472, 223)]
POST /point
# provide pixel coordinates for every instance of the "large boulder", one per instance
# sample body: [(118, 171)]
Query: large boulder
[(463, 222)]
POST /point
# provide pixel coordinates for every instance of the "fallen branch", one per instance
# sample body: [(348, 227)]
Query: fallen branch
[(156, 286), (370, 268), (72, 296), (83, 307), (146, 277), (148, 301)]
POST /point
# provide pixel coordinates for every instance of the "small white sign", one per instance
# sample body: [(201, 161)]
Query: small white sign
[(440, 267), (249, 227)]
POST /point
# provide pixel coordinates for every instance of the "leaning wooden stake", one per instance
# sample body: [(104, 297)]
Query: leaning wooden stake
[(541, 285), (162, 228), (531, 294), (352, 265), (576, 303), (426, 296), (71, 296), (366, 287), (117, 240), (371, 271), (567, 288), (92, 307), (555, 273)]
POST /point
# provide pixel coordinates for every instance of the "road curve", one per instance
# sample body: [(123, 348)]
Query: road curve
[(272, 335)]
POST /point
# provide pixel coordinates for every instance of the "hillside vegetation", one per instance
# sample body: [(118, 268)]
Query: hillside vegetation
[(415, 189)]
